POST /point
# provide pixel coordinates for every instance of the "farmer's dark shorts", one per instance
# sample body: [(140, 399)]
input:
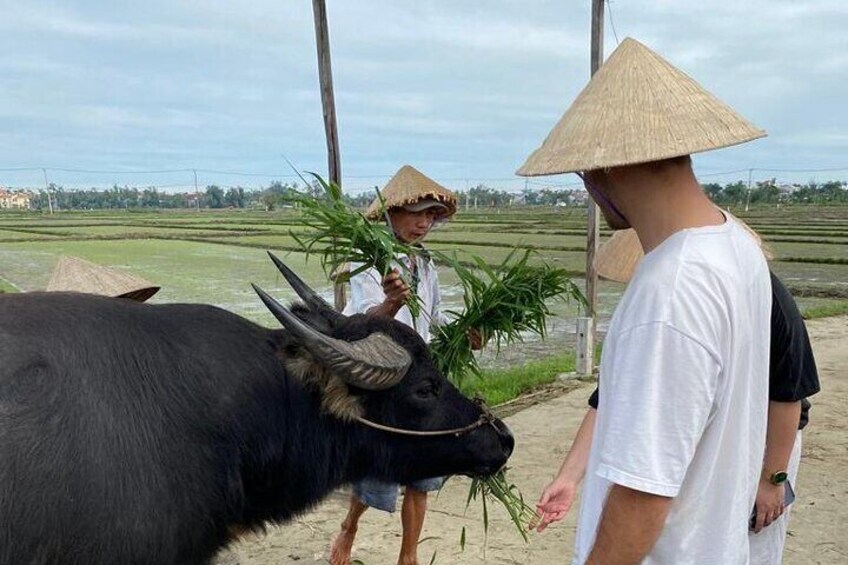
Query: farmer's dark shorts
[(383, 495)]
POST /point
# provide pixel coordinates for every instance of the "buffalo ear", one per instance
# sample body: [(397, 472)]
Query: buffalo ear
[(337, 399)]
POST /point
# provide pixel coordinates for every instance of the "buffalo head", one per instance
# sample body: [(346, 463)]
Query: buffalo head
[(377, 369)]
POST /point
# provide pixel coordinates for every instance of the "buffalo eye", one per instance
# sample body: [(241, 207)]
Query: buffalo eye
[(430, 389)]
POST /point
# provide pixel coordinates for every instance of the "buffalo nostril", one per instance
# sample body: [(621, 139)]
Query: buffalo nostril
[(508, 443), (506, 438)]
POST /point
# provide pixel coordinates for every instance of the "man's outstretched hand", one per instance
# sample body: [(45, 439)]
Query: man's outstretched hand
[(555, 502)]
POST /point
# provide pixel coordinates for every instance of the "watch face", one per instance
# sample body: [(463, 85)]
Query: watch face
[(779, 478)]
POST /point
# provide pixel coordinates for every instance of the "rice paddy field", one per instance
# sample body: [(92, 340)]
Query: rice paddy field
[(212, 256)]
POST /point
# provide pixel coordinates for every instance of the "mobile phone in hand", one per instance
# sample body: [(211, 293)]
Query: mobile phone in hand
[(788, 498)]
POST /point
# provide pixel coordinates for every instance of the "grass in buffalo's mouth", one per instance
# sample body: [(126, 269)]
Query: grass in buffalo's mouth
[(498, 487)]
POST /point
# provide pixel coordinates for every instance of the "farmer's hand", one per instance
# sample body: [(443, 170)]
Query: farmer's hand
[(395, 289), (555, 502), (475, 339), (769, 503)]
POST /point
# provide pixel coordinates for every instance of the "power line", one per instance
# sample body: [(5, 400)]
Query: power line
[(245, 174), (835, 170), (770, 170), (735, 171), (612, 23), (96, 171)]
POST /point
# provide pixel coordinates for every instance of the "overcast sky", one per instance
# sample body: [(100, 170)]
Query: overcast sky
[(460, 89)]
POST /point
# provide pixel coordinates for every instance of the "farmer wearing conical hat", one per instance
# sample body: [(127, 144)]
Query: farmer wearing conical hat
[(677, 440), (411, 204), (78, 275)]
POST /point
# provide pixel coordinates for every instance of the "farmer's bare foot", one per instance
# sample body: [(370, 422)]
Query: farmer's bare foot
[(342, 546), (408, 560)]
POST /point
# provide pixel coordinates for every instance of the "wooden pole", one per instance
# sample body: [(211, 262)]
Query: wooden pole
[(328, 103), (585, 346)]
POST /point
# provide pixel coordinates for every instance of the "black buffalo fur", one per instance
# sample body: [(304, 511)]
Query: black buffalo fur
[(141, 434)]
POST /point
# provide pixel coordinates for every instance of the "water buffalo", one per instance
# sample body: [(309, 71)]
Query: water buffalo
[(142, 434)]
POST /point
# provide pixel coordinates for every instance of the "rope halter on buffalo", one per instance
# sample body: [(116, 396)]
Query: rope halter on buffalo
[(487, 417)]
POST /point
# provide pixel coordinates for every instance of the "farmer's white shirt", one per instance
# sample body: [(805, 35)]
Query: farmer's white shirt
[(366, 291), (684, 395)]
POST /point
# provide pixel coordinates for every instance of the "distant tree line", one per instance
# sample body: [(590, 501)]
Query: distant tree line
[(278, 194), (770, 192)]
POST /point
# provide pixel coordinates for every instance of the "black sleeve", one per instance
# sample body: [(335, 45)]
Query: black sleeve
[(593, 400), (792, 368)]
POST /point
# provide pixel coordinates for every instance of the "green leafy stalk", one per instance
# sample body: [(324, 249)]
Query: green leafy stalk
[(498, 487), (340, 235), (502, 303)]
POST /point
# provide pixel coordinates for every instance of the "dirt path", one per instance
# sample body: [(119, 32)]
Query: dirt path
[(544, 431)]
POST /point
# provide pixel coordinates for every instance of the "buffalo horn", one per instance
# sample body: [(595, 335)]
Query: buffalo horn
[(311, 298), (374, 363)]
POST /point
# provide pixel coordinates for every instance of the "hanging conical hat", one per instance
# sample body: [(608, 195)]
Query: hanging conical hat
[(618, 257), (409, 186), (78, 275), (637, 108)]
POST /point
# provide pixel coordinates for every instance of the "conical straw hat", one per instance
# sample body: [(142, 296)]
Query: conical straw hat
[(618, 257), (637, 108), (78, 275), (409, 186)]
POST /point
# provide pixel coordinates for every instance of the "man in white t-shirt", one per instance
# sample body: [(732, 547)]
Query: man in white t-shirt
[(680, 430), (792, 379)]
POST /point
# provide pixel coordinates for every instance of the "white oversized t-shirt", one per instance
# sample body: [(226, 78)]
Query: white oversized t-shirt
[(684, 394)]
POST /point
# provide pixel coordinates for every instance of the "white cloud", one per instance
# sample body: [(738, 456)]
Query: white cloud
[(463, 89)]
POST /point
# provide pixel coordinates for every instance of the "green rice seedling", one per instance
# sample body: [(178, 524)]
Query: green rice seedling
[(340, 235), (502, 303)]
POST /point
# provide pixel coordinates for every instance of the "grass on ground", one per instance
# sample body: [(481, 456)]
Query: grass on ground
[(825, 311), (5, 286), (497, 386)]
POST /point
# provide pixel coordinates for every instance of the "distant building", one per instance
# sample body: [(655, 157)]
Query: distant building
[(785, 191), (18, 199), (579, 197)]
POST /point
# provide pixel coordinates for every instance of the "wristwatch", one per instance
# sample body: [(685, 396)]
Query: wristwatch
[(778, 477)]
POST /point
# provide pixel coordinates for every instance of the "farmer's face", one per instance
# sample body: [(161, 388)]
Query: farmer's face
[(412, 226)]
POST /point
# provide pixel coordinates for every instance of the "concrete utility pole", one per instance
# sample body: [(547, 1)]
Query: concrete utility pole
[(748, 197), (586, 325), (47, 189), (328, 102), (196, 191)]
